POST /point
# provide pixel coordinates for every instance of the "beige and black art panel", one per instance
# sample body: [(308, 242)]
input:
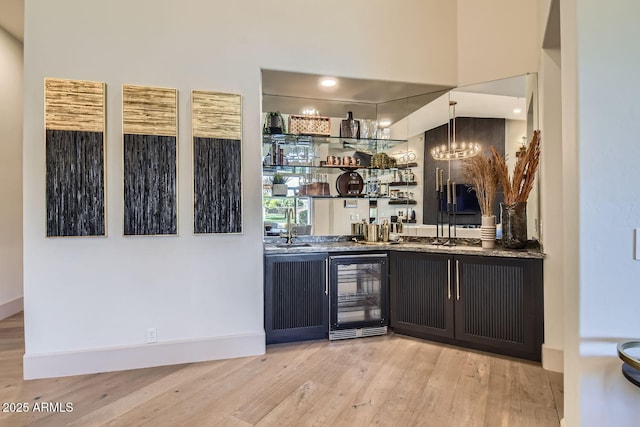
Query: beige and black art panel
[(74, 152), (150, 127), (217, 162)]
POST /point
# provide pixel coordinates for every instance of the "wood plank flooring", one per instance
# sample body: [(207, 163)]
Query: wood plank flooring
[(391, 380)]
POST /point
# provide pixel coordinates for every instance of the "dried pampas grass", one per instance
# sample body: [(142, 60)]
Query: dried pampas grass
[(518, 187), (481, 172)]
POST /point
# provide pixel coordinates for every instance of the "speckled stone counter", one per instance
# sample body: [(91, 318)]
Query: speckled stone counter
[(342, 244)]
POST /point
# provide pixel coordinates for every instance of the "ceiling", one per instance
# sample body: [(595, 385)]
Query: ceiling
[(302, 85), (497, 98), (12, 17), (291, 93)]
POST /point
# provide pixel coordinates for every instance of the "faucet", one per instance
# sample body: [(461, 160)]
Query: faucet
[(289, 235)]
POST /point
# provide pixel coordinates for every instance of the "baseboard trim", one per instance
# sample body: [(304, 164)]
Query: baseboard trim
[(12, 307), (552, 358), (50, 365)]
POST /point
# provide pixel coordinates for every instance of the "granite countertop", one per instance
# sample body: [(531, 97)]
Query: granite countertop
[(463, 247)]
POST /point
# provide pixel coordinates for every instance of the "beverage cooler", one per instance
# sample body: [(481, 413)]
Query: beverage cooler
[(359, 290)]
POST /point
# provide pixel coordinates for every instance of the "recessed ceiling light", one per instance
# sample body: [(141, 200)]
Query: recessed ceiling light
[(328, 82), (517, 111), (385, 122)]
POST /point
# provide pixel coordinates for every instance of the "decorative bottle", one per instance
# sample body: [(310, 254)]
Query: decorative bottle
[(348, 125)]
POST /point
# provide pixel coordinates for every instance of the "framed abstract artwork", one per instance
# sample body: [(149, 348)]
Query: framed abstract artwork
[(75, 157), (217, 162), (150, 128)]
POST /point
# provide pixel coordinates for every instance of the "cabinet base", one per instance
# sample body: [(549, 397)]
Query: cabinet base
[(505, 349), (344, 334)]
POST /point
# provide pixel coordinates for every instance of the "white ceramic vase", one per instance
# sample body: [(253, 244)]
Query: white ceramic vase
[(488, 232)]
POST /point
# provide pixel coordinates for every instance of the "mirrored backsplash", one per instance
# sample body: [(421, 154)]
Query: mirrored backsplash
[(332, 183)]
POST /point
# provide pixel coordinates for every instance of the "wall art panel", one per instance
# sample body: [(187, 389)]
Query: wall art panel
[(217, 162), (149, 123), (74, 157)]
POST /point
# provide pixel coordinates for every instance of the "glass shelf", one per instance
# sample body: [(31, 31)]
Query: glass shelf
[(302, 168), (402, 184), (306, 196), (392, 201), (407, 165), (402, 202), (302, 159), (335, 141)]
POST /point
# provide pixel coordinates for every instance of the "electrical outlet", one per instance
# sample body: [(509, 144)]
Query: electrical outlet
[(152, 335)]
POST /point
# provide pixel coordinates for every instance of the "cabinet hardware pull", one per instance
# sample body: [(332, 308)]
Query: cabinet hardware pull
[(449, 278), (326, 276), (457, 280)]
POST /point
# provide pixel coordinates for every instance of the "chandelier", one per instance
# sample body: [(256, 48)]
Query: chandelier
[(455, 150)]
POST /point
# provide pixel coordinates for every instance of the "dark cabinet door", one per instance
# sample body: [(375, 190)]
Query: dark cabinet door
[(296, 300), (498, 304), (422, 294)]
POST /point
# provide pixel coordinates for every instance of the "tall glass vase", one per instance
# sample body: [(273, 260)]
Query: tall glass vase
[(514, 225)]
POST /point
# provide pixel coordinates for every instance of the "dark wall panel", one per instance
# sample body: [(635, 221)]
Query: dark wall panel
[(75, 183), (486, 131), (217, 185), (150, 202)]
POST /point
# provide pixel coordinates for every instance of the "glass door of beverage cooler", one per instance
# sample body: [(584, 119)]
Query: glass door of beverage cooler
[(359, 296)]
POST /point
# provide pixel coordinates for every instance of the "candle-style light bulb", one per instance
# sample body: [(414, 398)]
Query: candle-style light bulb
[(453, 189)]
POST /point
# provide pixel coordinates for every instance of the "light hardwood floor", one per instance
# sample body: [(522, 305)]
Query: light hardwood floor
[(392, 380)]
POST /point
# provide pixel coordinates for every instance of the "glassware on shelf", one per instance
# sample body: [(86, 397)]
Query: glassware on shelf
[(315, 156), (384, 189), (355, 129), (364, 128), (408, 176), (373, 129), (372, 187)]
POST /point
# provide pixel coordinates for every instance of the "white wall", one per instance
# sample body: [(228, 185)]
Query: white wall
[(96, 295), (570, 217), (551, 202), (496, 39), (607, 110), (10, 174)]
